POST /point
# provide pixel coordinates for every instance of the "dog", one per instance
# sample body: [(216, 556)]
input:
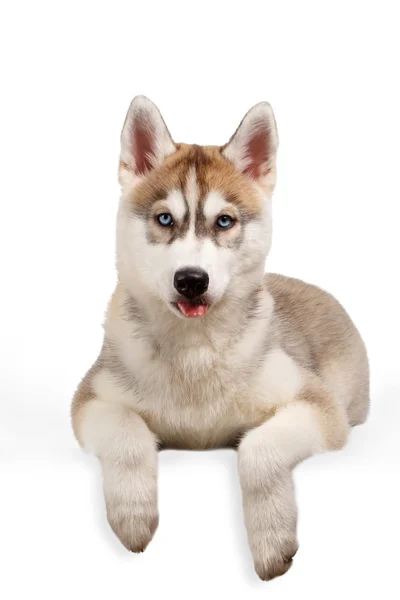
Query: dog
[(201, 348)]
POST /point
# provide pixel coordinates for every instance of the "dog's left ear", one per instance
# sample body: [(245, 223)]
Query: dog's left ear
[(253, 146), (145, 139)]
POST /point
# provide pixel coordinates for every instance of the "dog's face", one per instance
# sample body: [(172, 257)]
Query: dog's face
[(194, 221)]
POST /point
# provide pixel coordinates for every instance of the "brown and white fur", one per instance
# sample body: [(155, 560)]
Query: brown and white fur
[(274, 366)]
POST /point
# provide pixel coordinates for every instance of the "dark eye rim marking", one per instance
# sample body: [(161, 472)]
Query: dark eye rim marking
[(228, 225), (169, 221)]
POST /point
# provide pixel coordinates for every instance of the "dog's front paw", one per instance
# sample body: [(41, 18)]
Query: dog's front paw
[(131, 503), (133, 526), (270, 516), (272, 560)]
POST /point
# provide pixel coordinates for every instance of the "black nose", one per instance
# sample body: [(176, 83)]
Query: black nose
[(191, 282)]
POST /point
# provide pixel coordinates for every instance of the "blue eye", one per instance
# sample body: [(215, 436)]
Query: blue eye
[(225, 222), (165, 219)]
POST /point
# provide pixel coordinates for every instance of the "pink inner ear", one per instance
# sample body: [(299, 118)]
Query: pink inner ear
[(258, 150), (143, 144)]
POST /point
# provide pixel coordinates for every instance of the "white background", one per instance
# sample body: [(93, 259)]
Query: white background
[(69, 71)]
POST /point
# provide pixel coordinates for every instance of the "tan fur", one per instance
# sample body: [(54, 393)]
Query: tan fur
[(212, 173), (276, 367), (333, 348), (83, 394)]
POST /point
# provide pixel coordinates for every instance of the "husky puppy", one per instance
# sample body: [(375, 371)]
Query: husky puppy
[(201, 348)]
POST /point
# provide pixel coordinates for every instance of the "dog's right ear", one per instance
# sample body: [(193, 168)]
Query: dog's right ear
[(145, 139)]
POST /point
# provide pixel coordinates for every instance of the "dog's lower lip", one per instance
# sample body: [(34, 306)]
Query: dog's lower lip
[(192, 309)]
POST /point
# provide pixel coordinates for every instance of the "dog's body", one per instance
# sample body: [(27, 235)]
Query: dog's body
[(270, 364)]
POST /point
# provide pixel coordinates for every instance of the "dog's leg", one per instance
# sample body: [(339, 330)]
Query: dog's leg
[(313, 423), (127, 450)]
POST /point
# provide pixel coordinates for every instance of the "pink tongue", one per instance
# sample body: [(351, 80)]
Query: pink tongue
[(192, 310)]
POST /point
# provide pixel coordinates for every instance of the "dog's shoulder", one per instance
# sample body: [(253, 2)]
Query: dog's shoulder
[(313, 326)]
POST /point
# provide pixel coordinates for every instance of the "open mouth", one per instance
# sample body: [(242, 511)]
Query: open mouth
[(197, 308)]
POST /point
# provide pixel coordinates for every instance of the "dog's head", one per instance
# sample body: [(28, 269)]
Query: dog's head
[(194, 221)]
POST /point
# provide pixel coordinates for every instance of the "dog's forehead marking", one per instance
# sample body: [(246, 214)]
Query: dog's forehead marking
[(176, 203), (192, 195), (215, 202), (196, 170)]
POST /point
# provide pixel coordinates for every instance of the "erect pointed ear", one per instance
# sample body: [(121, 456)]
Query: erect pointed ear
[(145, 139), (253, 146)]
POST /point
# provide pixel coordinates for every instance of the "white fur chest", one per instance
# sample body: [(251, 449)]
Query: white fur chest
[(197, 388), (197, 395)]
